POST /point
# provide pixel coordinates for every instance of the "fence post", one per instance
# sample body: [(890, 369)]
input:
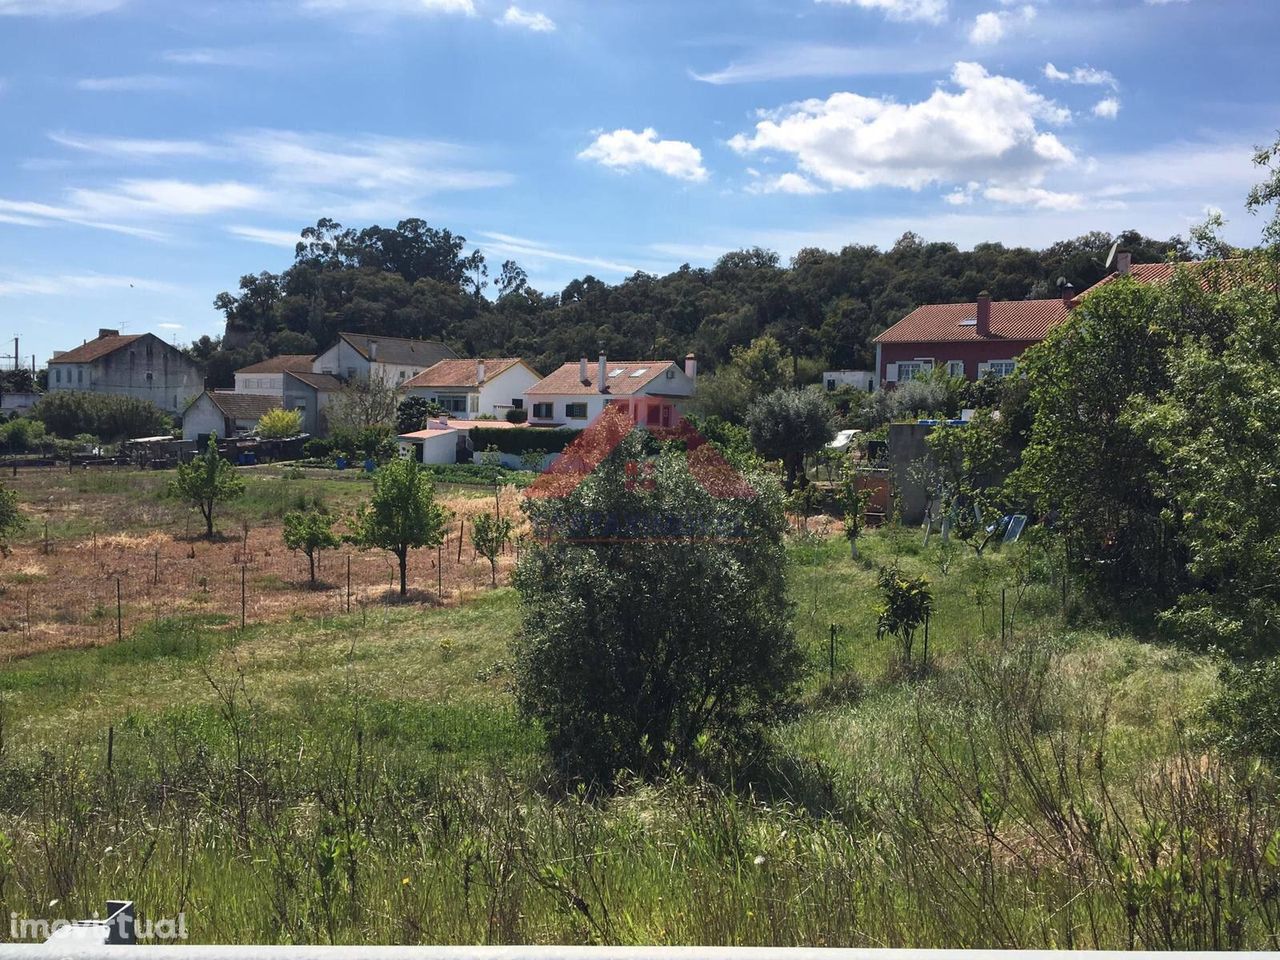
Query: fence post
[(440, 571), (111, 746), (462, 527), (242, 595), (348, 583), (119, 613)]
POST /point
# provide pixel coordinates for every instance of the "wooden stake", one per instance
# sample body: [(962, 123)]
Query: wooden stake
[(119, 613), (242, 595)]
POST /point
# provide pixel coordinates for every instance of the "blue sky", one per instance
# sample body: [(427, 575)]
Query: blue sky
[(152, 151)]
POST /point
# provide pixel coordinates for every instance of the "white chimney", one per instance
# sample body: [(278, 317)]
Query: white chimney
[(373, 349), (691, 366), (602, 383), (582, 370), (1124, 261), (480, 372)]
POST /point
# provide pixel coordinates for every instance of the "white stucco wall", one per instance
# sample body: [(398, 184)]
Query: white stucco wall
[(202, 417)]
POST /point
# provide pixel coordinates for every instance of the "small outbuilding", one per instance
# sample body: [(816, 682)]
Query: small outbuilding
[(226, 413), (438, 443)]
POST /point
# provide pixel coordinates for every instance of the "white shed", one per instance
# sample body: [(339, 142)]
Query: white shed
[(436, 444)]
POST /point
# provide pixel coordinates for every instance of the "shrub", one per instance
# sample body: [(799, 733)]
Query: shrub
[(107, 416), (279, 424), (22, 435), (517, 416), (1244, 717), (413, 413), (518, 441)]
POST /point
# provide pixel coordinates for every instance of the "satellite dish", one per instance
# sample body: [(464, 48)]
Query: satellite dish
[(1111, 257), (1062, 282)]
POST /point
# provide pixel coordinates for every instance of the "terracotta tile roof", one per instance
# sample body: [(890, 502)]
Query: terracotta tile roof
[(459, 373), (436, 431), (243, 406), (324, 382), (88, 352), (290, 362), (622, 379), (1212, 273), (396, 350), (1020, 320)]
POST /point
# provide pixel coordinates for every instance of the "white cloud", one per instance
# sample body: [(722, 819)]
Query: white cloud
[(534, 250), (133, 149), (790, 61), (57, 8), (465, 7), (166, 198), (136, 83), (791, 183), (71, 284), (991, 27), (1086, 76), (1036, 197), (930, 11), (987, 129), (1108, 108), (169, 326), (627, 149), (214, 57), (537, 22), (287, 239)]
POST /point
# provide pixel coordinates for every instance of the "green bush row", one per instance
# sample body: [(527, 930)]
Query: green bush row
[(516, 442)]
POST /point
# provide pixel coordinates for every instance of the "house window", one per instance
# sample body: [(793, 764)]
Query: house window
[(148, 353), (79, 374), (654, 415), (910, 369), (517, 403), (149, 378), (58, 375), (955, 368), (575, 411), (1001, 368), (831, 384), (474, 403), (401, 374), (543, 411), (453, 403)]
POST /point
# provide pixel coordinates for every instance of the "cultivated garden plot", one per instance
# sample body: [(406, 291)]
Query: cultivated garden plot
[(92, 568)]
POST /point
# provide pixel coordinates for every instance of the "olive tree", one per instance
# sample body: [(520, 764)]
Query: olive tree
[(656, 625), (789, 425)]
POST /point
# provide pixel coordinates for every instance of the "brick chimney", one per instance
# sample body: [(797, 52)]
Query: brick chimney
[(103, 332), (582, 371), (373, 350), (602, 382), (480, 372), (1124, 262), (1068, 294), (691, 366), (983, 325)]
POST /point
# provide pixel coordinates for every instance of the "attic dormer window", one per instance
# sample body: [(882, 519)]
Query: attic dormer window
[(969, 322), (641, 372), (616, 372)]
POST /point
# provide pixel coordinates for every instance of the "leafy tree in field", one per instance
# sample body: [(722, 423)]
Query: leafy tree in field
[(279, 424), (109, 417), (403, 514), (763, 366), (905, 605), (489, 534), (22, 435), (11, 518), (207, 481), (789, 425), (853, 500), (310, 531), (656, 624)]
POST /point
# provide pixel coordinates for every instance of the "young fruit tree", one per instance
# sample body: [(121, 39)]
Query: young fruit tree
[(207, 481), (656, 626), (11, 518), (311, 532), (907, 604), (403, 514), (489, 534)]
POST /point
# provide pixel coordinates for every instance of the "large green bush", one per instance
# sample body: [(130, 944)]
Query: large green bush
[(106, 416), (516, 442)]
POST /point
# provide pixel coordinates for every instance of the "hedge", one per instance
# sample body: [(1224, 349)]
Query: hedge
[(466, 473), (516, 442)]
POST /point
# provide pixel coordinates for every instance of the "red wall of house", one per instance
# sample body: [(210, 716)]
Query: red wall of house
[(972, 353)]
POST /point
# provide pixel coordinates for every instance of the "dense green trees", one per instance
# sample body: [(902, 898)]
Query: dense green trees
[(106, 416), (656, 625), (821, 310)]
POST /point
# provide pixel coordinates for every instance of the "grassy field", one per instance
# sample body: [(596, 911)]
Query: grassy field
[(365, 778)]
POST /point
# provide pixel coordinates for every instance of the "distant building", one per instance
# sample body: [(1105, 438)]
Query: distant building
[(391, 359), (267, 377), (226, 413), (310, 394), (653, 392), (864, 380), (136, 365), (470, 388)]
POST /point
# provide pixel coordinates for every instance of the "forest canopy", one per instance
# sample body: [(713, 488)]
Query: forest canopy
[(419, 281)]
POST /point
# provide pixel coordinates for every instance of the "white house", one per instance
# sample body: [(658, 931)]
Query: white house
[(267, 378), (438, 443), (653, 392), (139, 365), (864, 380), (391, 359), (473, 387), (224, 412)]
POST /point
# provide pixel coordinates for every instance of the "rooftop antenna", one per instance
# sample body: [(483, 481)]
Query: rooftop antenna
[(1111, 257)]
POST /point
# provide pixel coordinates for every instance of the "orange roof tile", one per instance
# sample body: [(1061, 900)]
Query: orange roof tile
[(291, 362), (1019, 320), (88, 352), (622, 379), (459, 373)]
